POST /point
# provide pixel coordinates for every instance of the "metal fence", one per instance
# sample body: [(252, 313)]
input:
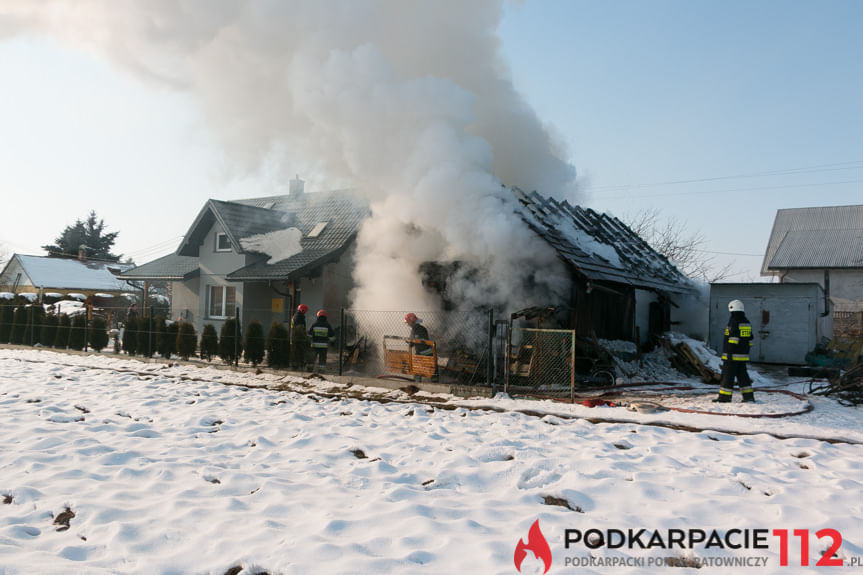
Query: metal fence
[(541, 362)]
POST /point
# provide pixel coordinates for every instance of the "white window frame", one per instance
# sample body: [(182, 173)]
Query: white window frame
[(219, 236), (217, 301)]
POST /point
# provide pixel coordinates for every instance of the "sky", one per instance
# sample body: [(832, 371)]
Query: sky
[(111, 465), (715, 114)]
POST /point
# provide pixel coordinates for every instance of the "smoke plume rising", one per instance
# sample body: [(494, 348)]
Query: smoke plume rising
[(408, 101)]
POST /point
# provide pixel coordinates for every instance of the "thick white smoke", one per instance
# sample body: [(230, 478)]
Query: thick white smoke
[(407, 100)]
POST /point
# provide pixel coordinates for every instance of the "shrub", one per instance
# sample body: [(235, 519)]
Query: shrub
[(255, 343), (33, 329), (64, 327), (230, 341), (78, 332), (187, 340), (146, 335), (278, 345), (300, 347), (209, 342), (19, 324), (48, 337), (130, 336), (7, 315), (98, 333)]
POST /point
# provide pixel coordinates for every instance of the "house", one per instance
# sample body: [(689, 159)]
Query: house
[(262, 257), (63, 276), (822, 245), (621, 287)]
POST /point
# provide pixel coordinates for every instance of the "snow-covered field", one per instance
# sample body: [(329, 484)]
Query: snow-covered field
[(116, 466)]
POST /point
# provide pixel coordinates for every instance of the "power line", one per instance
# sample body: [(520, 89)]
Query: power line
[(851, 165)]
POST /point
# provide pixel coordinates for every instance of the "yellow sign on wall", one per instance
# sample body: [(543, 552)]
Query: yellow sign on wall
[(278, 305)]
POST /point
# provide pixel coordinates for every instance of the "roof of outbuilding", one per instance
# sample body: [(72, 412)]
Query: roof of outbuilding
[(70, 273), (600, 246), (820, 238)]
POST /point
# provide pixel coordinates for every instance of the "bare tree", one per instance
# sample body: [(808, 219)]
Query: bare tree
[(670, 238)]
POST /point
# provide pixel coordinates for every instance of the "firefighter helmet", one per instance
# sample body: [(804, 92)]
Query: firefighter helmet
[(321, 313), (302, 308), (735, 305), (411, 319)]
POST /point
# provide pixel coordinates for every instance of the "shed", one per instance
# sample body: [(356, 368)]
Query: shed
[(787, 319)]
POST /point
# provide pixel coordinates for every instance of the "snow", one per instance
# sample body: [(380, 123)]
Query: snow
[(70, 308), (78, 296), (587, 242), (7, 295), (279, 245), (70, 273), (179, 468), (31, 297), (103, 295)]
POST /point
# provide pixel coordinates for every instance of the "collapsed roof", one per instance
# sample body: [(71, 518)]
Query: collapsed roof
[(600, 247)]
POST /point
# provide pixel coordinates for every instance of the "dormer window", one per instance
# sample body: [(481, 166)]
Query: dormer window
[(223, 244), (316, 231)]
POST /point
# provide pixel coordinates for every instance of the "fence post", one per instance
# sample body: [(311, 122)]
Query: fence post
[(572, 368), (508, 357), (32, 327), (341, 339), (237, 337), (150, 341), (489, 354)]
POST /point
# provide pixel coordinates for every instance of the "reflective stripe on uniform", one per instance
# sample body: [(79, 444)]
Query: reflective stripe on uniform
[(745, 330), (740, 357), (746, 390), (734, 340), (723, 391)]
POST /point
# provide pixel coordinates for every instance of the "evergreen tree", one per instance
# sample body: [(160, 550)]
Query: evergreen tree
[(49, 330), (230, 341), (159, 329), (209, 342), (78, 332), (33, 330), (130, 336), (63, 328), (187, 340), (98, 333), (19, 324), (168, 341), (146, 335), (7, 318), (278, 345), (90, 235), (255, 343)]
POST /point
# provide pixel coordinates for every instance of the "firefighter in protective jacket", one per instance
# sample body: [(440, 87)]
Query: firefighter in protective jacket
[(321, 332), (735, 355)]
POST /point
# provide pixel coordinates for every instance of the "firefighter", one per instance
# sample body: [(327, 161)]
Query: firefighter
[(299, 339), (321, 332), (418, 331), (735, 355)]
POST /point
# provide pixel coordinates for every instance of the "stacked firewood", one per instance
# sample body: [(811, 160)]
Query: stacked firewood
[(683, 359)]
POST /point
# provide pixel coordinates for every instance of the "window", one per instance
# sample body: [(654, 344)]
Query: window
[(316, 231), (223, 301), (223, 244)]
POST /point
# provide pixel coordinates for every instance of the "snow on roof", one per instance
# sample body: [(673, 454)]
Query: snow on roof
[(7, 295), (279, 245), (31, 297), (66, 273), (78, 296)]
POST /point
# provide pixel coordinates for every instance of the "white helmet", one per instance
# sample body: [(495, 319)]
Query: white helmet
[(735, 305)]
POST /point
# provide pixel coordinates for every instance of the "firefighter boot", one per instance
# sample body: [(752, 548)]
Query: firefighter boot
[(749, 397), (723, 399)]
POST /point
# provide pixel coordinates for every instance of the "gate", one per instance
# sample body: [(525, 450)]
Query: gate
[(539, 362)]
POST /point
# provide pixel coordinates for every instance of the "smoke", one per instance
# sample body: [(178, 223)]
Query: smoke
[(408, 101)]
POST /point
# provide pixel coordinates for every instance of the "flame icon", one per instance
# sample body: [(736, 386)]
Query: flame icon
[(535, 542)]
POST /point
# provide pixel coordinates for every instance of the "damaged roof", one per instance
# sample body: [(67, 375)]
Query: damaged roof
[(598, 246), (820, 238)]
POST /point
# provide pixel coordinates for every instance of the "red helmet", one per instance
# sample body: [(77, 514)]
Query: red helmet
[(411, 319), (302, 308), (321, 313)]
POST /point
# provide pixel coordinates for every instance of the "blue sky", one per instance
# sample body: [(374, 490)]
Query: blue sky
[(714, 113)]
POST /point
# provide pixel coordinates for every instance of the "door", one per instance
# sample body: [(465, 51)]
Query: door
[(783, 330)]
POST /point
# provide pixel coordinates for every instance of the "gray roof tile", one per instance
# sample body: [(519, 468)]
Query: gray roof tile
[(821, 237)]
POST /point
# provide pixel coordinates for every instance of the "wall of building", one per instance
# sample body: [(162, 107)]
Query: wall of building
[(7, 280), (846, 286), (185, 301), (214, 267)]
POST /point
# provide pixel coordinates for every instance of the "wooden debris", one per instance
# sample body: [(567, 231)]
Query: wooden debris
[(683, 359)]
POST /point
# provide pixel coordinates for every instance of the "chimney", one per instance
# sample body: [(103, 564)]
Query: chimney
[(297, 186), (82, 252)]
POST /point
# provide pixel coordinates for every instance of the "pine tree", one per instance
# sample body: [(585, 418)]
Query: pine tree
[(89, 235), (98, 333), (230, 341), (209, 342), (187, 340), (255, 343), (78, 332), (33, 329), (146, 335), (64, 326), (130, 336), (278, 345), (168, 341)]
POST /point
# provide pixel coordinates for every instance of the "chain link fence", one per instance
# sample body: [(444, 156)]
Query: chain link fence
[(541, 362)]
